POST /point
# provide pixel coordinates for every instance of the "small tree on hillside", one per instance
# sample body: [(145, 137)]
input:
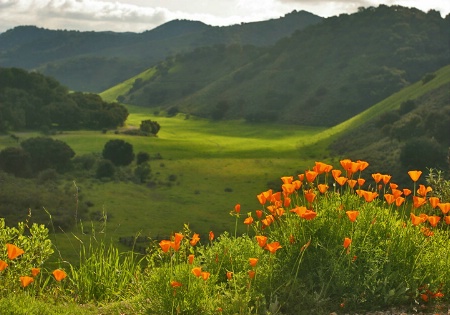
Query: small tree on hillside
[(119, 152), (149, 126)]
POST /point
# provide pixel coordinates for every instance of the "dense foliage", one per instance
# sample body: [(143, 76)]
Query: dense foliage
[(29, 100)]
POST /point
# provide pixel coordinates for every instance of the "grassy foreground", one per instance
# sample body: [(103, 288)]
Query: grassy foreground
[(328, 240)]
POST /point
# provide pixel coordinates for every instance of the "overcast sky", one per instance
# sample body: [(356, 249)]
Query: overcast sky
[(141, 15)]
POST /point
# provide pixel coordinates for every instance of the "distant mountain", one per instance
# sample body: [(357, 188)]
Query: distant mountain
[(320, 76), (94, 61)]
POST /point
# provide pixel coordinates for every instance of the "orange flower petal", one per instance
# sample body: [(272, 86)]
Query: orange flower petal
[(13, 251)]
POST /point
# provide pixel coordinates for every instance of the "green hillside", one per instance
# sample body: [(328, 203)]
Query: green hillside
[(320, 76)]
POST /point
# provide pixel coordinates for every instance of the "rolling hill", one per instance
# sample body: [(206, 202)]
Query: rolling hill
[(94, 61), (319, 76)]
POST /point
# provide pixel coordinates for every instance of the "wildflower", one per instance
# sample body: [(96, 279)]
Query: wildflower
[(341, 180), (347, 242), (3, 265), (191, 259), (13, 251), (396, 193), (205, 275), (177, 241), (237, 208), (297, 184), (211, 235), (301, 177), (59, 274), (418, 201), (261, 240), (194, 240), (361, 181), (253, 261), (175, 284), (197, 271), (406, 192), (259, 214), (352, 215), (273, 247), (298, 210), (414, 175), (445, 207), (229, 275), (434, 201), (322, 167), (25, 281), (352, 183), (336, 173), (399, 201), (248, 220), (386, 179), (423, 190), (447, 219), (389, 198), (287, 202), (434, 219), (377, 177), (311, 176), (288, 189), (362, 165), (310, 196), (393, 186), (416, 220), (165, 245), (426, 231), (35, 271), (369, 196), (287, 179), (308, 215), (261, 198), (346, 165), (251, 274)]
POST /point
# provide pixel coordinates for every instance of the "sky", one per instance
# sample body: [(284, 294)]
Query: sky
[(142, 15)]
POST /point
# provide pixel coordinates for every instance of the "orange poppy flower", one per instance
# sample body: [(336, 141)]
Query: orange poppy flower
[(25, 281), (229, 275), (386, 179), (287, 202), (273, 247), (35, 271), (297, 184), (311, 176), (288, 189), (414, 175), (354, 167), (423, 191), (275, 197), (389, 198), (361, 181), (346, 164), (363, 165), (397, 193), (13, 251), (352, 215), (248, 220), (175, 284), (399, 201), (261, 198), (377, 177), (237, 208), (393, 186), (205, 275), (251, 274), (341, 180), (197, 271), (322, 167), (301, 177), (194, 240), (447, 219), (308, 215), (298, 210), (369, 196), (253, 261), (418, 201), (406, 192), (261, 240), (287, 179), (445, 207), (191, 259), (347, 242), (336, 173), (165, 245), (352, 183), (416, 220), (59, 274), (211, 235), (434, 201), (178, 237), (434, 220), (3, 265), (310, 196), (322, 188)]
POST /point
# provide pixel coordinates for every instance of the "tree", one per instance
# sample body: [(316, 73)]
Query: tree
[(149, 126), (105, 168), (422, 153), (119, 152), (48, 153), (142, 172), (142, 157)]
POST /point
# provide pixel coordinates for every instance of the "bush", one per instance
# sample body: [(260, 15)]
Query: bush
[(105, 168), (119, 152)]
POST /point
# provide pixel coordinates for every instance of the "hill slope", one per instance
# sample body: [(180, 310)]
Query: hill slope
[(94, 61), (320, 76)]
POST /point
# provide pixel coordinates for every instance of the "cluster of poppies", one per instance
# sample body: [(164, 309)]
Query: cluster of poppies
[(15, 252)]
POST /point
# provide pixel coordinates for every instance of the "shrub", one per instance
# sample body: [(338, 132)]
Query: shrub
[(119, 152), (105, 168)]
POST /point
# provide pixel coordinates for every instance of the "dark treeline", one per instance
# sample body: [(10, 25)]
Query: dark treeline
[(30, 100)]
